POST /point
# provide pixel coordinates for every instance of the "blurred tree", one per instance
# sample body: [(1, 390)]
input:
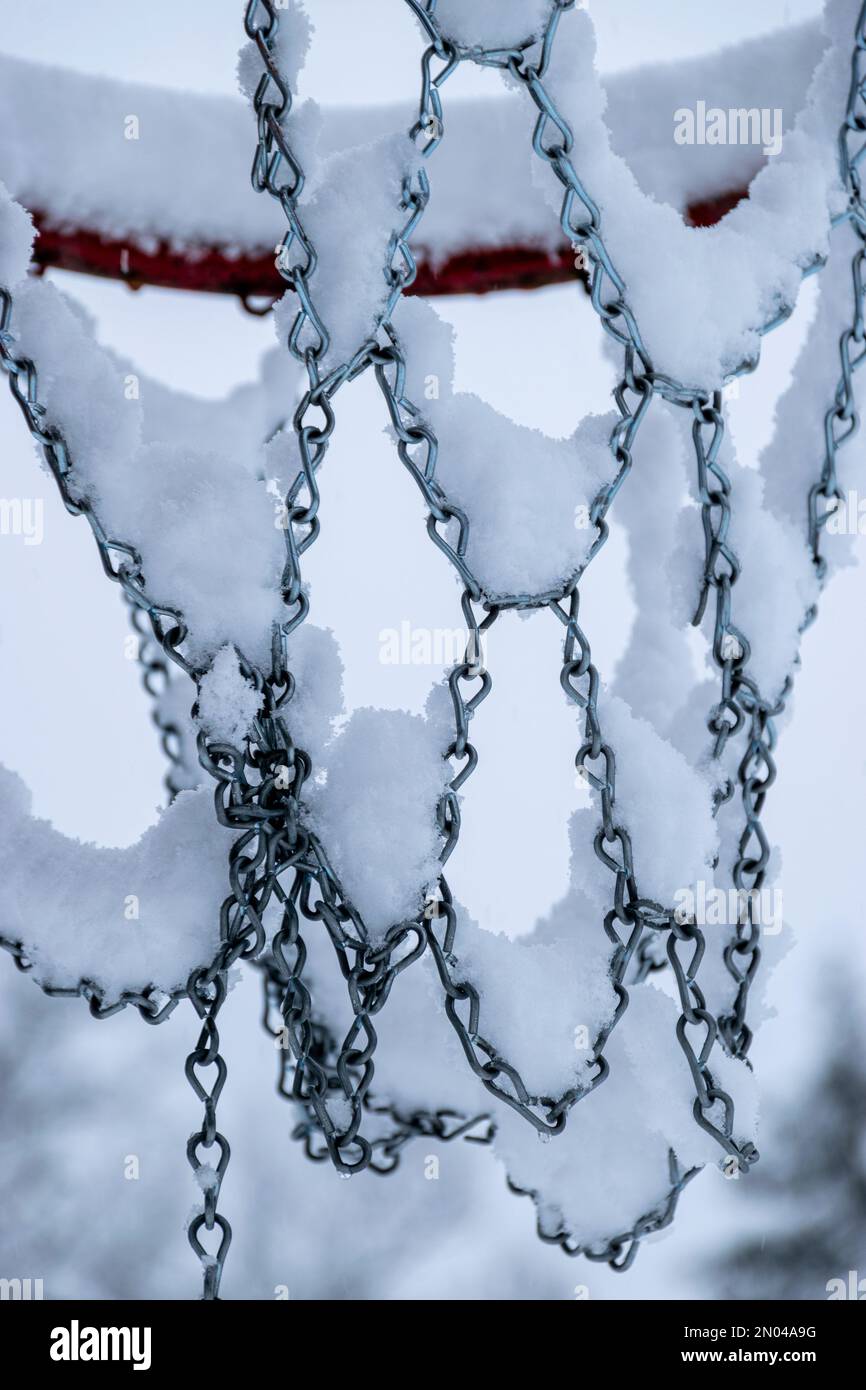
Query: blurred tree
[(810, 1228)]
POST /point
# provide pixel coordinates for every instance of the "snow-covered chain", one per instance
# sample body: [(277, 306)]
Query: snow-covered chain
[(322, 853)]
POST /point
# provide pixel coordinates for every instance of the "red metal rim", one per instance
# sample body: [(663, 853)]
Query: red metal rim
[(255, 278)]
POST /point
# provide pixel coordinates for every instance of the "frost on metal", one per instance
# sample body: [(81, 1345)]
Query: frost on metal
[(327, 861)]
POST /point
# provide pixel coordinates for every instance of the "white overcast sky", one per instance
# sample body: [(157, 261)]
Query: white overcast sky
[(175, 46)]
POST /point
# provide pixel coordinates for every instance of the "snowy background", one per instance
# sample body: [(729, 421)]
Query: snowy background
[(78, 1098)]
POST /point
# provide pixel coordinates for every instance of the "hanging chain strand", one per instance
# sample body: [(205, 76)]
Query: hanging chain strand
[(580, 219), (208, 998), (315, 895), (741, 699), (742, 703), (842, 419), (756, 770), (259, 789), (500, 1076), (123, 564), (156, 680)]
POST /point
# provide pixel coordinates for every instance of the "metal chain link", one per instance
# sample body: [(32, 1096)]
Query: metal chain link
[(742, 702), (416, 438), (412, 435), (208, 997), (741, 698), (259, 789), (156, 679), (842, 419), (581, 221), (369, 969), (418, 450), (122, 563), (756, 769), (386, 1149), (621, 1250)]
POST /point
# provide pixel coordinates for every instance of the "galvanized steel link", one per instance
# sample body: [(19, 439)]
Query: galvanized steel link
[(251, 792)]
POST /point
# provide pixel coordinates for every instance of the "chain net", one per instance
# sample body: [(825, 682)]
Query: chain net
[(277, 862)]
